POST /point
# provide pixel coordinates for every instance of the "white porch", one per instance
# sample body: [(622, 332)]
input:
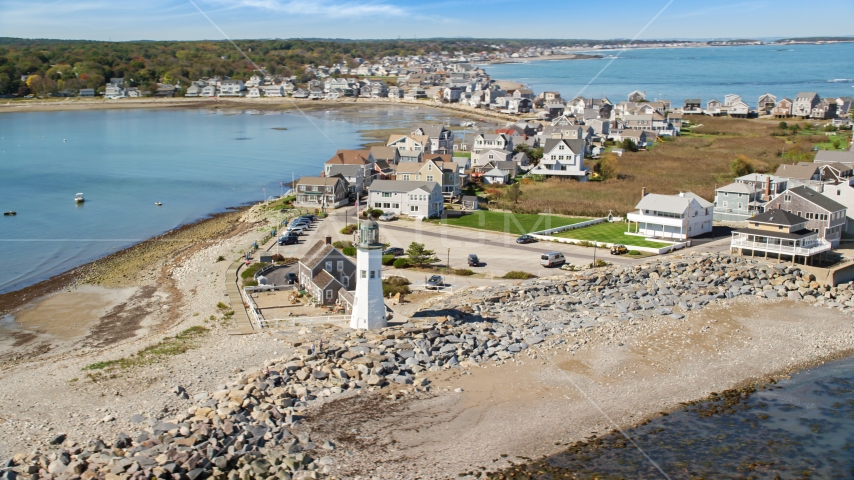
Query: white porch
[(658, 227)]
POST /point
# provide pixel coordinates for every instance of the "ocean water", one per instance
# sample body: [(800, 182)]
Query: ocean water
[(706, 73), (802, 427), (195, 162)]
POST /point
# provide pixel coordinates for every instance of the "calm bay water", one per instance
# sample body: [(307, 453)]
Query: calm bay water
[(195, 162), (679, 73)]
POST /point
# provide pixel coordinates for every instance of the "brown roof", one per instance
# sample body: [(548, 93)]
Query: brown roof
[(322, 279), (409, 167), (423, 139), (318, 180), (350, 157), (439, 157), (384, 153), (316, 253), (803, 172)]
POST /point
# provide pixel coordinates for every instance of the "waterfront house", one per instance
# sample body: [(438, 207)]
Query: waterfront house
[(766, 104), (208, 91), (563, 158), (825, 110), (412, 198), (86, 92), (824, 215), (778, 232), (783, 109), (713, 107), (731, 99), (636, 96), (324, 272), (676, 217), (253, 92), (804, 104), (692, 106), (441, 138), (843, 106), (321, 192), (232, 88), (738, 109), (272, 90), (737, 202)]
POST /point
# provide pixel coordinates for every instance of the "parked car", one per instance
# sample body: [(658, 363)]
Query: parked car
[(288, 239), (552, 259), (301, 221), (473, 260), (387, 217), (435, 281), (291, 278), (396, 251), (618, 249), (296, 229), (526, 239)]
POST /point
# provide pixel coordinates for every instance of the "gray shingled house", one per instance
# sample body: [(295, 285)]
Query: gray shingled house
[(824, 216), (324, 271)]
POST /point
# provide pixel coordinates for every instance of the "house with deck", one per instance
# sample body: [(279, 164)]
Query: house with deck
[(783, 109), (766, 104), (672, 217), (804, 104), (410, 147), (434, 168), (441, 138), (778, 233), (823, 215)]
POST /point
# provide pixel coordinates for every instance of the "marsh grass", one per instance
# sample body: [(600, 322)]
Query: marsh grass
[(169, 347), (696, 162)]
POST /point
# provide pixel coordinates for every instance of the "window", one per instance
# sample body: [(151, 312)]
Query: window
[(364, 274), (377, 204), (373, 274), (725, 203), (429, 178), (406, 177), (345, 280), (430, 165), (560, 147), (413, 208), (740, 206), (386, 194), (386, 205), (340, 266), (395, 205), (787, 198), (328, 266), (329, 294)]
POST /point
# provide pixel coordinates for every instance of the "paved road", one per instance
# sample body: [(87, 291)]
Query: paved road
[(498, 252)]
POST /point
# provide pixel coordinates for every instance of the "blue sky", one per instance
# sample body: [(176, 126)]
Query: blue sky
[(180, 20)]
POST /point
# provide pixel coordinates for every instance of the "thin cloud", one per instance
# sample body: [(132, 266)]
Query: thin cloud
[(322, 7)]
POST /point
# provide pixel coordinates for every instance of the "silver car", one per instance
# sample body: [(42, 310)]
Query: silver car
[(435, 281)]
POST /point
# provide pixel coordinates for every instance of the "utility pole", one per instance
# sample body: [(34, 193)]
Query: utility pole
[(449, 260), (595, 244)]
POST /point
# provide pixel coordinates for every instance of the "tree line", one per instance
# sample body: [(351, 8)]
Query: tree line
[(57, 65)]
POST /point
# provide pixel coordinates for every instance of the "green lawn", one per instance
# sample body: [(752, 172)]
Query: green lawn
[(842, 140), (609, 233), (515, 223)]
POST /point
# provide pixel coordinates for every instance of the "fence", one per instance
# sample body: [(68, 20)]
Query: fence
[(252, 308), (295, 321), (569, 227)]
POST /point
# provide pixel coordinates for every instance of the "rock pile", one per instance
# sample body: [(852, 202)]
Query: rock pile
[(245, 429)]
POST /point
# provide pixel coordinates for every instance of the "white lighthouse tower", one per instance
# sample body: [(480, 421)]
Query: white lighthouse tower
[(368, 303)]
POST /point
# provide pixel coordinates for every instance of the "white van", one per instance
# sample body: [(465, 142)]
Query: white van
[(552, 259)]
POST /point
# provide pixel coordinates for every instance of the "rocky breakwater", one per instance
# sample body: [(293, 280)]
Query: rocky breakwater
[(666, 287), (250, 428)]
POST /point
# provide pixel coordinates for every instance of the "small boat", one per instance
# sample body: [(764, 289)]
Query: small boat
[(10, 213), (79, 198), (158, 204)]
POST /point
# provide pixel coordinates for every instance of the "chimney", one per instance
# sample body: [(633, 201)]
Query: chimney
[(328, 240), (643, 192), (768, 187)]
